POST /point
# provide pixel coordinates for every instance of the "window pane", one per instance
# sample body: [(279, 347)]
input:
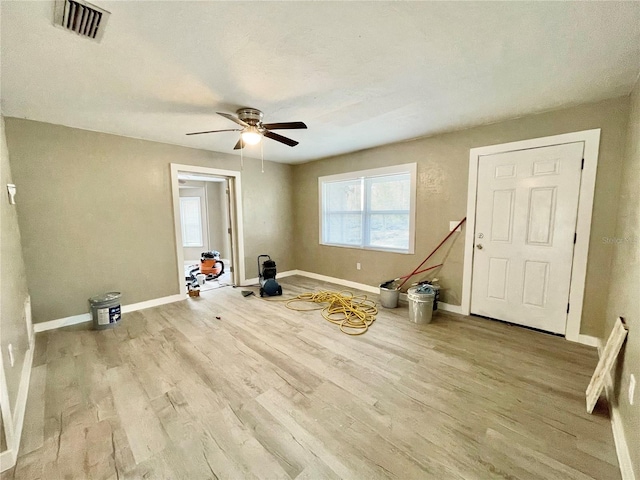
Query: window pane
[(343, 196), (343, 228), (391, 192), (389, 230), (191, 220)]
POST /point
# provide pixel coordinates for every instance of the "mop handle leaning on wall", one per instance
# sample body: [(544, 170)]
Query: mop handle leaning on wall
[(431, 254), (417, 273)]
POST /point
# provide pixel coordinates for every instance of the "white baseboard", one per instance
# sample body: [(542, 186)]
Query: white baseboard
[(622, 448), (288, 273), (445, 307), (316, 276), (156, 302), (86, 317), (586, 340), (27, 318), (21, 400), (254, 281), (338, 281), (8, 457), (61, 322), (360, 286)]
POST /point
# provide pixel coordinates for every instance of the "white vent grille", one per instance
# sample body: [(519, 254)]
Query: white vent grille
[(81, 18)]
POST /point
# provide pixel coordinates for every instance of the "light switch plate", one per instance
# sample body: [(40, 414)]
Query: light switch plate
[(452, 225), (11, 190)]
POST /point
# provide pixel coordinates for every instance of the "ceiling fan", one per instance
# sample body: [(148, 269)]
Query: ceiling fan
[(253, 129)]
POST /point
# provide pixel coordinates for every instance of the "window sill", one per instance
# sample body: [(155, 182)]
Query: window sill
[(374, 249)]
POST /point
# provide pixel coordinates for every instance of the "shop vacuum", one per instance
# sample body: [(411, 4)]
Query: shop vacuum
[(267, 277)]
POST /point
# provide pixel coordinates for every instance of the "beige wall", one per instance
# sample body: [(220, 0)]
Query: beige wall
[(96, 214), (13, 281), (443, 166), (270, 216), (624, 287)]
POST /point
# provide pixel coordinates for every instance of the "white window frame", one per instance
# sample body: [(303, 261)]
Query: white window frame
[(410, 168), (183, 200)]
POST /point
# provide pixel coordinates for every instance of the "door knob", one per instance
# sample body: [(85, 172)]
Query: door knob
[(479, 246)]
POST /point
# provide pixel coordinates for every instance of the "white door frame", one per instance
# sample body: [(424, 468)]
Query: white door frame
[(235, 219), (591, 139)]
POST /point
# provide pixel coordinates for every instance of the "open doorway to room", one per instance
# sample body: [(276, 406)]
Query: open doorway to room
[(206, 219), (206, 238)]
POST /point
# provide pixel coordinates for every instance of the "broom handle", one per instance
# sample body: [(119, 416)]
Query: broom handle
[(421, 271), (434, 251)]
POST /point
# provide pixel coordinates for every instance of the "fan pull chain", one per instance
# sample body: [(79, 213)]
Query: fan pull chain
[(241, 155), (262, 154)]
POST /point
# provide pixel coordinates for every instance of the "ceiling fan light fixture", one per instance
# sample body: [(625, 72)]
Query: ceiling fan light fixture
[(251, 135)]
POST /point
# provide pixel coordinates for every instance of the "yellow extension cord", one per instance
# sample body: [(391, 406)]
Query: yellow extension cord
[(353, 314)]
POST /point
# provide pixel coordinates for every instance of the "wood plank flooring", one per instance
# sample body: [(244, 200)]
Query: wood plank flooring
[(265, 392)]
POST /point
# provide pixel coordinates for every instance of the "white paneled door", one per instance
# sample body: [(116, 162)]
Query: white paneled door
[(526, 211)]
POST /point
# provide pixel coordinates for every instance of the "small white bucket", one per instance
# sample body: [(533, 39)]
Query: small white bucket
[(389, 296), (201, 278)]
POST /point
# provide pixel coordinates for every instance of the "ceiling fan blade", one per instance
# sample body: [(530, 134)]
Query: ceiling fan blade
[(215, 131), (284, 125), (233, 119), (280, 138), (239, 145)]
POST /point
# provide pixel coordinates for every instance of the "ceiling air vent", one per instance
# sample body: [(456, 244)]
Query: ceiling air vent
[(81, 17)]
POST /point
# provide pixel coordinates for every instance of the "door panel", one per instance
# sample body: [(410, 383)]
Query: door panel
[(526, 214), (497, 279), (502, 216), (542, 207), (535, 283)]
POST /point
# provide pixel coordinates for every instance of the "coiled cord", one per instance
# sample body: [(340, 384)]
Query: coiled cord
[(353, 314)]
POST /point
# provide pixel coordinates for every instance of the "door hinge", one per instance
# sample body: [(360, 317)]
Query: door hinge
[(575, 238), (229, 231), (582, 165), (227, 190), (567, 308), (231, 269)]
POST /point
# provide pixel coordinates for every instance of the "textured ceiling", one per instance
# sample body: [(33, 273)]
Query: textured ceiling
[(360, 74)]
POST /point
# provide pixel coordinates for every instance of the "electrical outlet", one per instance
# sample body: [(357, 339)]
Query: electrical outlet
[(632, 388), (11, 359), (358, 266)]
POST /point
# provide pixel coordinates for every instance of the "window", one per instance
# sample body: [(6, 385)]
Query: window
[(373, 209), (191, 219)]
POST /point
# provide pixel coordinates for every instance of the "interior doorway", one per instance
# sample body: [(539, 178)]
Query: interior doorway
[(206, 217), (206, 229)]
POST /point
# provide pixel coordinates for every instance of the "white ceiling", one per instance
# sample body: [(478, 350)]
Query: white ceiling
[(360, 74)]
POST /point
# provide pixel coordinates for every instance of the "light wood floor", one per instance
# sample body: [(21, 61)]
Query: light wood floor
[(264, 392)]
